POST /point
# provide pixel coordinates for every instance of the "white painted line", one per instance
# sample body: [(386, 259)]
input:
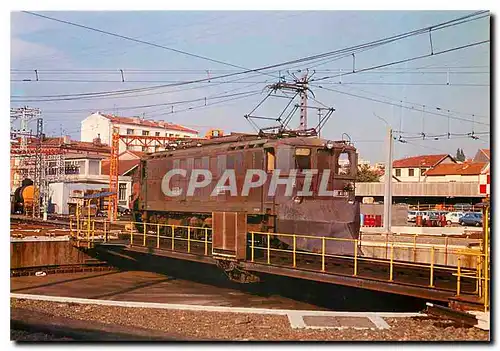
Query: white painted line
[(205, 308), (296, 321), (379, 322)]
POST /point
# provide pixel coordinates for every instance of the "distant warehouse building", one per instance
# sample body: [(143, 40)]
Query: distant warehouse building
[(456, 172), (99, 125)]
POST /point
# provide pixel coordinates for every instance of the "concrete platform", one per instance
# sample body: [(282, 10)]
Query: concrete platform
[(422, 230)]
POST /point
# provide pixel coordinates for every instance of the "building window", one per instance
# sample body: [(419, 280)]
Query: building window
[(129, 147), (398, 172), (411, 172), (130, 131), (157, 133), (422, 171), (73, 167), (52, 168), (122, 191), (145, 149), (145, 132), (169, 134)]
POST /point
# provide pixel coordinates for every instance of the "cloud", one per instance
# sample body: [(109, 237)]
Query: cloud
[(26, 54), (22, 24)]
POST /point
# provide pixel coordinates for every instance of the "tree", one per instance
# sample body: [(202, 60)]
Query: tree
[(365, 174), (460, 155)]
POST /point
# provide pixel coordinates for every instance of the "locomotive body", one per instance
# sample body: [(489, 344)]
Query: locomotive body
[(311, 213)]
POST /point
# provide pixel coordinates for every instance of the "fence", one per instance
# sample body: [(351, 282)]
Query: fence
[(469, 267)]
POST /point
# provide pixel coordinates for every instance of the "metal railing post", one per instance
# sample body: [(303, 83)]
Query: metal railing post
[(268, 248), (323, 246), (386, 245), (355, 258), (206, 241), (173, 239), (158, 236), (131, 233), (105, 232), (391, 269), (431, 283), (414, 248), (71, 227), (189, 239), (486, 273), (294, 248), (478, 275), (93, 230), (253, 246), (446, 251), (144, 238), (458, 276)]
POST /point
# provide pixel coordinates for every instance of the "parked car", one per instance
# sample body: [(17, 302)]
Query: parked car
[(472, 218), (454, 217), (412, 216), (424, 214), (123, 210)]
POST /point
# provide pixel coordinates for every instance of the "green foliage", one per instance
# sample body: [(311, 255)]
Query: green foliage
[(365, 174)]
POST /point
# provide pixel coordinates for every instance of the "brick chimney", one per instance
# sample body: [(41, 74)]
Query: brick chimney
[(66, 140)]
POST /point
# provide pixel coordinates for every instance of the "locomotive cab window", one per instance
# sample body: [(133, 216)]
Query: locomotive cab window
[(270, 159), (302, 158), (345, 162)]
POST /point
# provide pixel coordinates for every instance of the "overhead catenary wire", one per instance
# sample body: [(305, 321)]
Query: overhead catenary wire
[(423, 106), (346, 50), (397, 105)]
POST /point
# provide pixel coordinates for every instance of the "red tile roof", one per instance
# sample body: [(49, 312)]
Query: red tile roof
[(456, 169), (148, 123), (124, 166), (73, 145), (135, 153), (486, 152), (419, 161)]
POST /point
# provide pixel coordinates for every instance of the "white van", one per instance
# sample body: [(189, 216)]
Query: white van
[(454, 217)]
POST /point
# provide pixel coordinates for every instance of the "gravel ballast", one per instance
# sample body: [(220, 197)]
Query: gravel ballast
[(239, 326)]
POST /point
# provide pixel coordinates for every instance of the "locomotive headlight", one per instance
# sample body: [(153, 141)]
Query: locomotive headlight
[(329, 145), (297, 199)]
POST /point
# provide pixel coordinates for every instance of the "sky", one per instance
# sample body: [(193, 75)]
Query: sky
[(73, 60)]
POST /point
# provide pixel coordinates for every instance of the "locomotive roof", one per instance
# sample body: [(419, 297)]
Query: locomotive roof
[(240, 139)]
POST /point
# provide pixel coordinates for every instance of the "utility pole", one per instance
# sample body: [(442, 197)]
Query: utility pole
[(388, 184)]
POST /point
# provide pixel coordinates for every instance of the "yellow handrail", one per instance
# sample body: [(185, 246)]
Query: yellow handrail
[(206, 241), (391, 269), (253, 246), (323, 249), (355, 258), (158, 236), (431, 283), (465, 258), (268, 248), (294, 248)]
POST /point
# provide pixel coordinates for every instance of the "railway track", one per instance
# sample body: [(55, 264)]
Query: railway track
[(60, 269), (379, 270)]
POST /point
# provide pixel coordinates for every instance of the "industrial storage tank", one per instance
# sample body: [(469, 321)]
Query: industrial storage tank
[(23, 196)]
